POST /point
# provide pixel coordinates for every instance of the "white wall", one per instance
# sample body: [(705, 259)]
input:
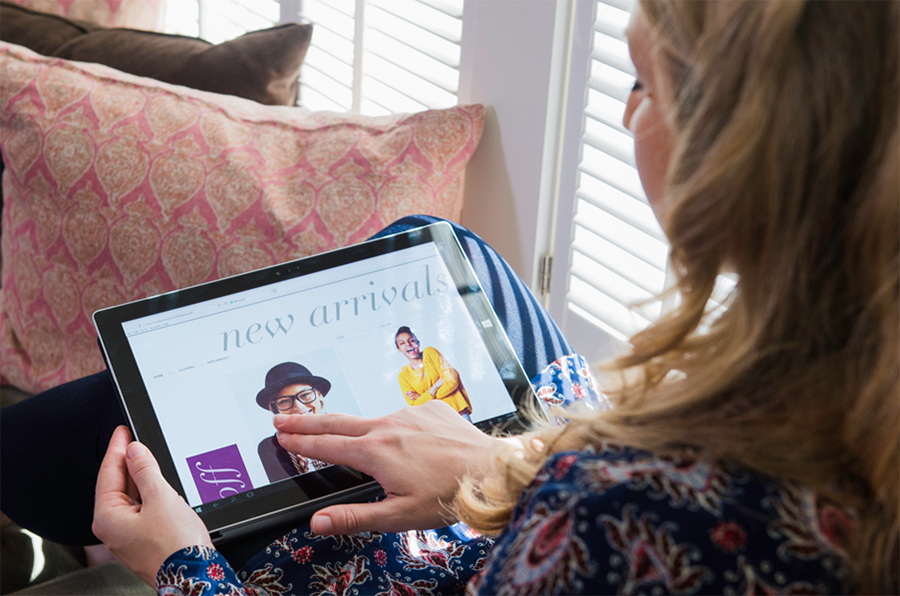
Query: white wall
[(511, 64), (506, 65)]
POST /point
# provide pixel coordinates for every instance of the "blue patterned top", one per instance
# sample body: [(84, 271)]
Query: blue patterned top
[(603, 520)]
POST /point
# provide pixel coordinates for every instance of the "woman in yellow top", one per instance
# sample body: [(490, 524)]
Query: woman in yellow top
[(429, 376)]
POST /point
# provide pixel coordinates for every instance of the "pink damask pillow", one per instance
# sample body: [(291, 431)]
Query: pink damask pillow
[(119, 187), (133, 14)]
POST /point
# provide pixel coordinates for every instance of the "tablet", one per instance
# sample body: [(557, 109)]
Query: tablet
[(363, 330)]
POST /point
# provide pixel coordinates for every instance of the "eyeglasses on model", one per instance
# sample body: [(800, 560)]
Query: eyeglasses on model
[(284, 403)]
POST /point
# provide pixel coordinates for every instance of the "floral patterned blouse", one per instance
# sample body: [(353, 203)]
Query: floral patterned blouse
[(608, 519)]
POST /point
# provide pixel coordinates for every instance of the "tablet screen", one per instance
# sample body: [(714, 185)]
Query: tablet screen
[(361, 334)]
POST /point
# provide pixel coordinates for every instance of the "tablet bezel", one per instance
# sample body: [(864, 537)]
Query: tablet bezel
[(303, 494)]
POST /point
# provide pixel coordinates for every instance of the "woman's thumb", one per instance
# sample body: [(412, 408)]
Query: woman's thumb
[(382, 516), (144, 470)]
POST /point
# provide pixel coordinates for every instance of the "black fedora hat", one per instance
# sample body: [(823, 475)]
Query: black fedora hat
[(289, 373)]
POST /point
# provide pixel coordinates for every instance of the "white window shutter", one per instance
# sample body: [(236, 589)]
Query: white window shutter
[(618, 251), (369, 56), (617, 262), (327, 76), (219, 20), (382, 56)]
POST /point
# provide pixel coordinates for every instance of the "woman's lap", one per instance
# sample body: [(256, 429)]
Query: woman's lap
[(52, 447), (53, 442)]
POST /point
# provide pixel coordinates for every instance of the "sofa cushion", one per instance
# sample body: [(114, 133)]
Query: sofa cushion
[(119, 187), (261, 65), (111, 579), (136, 14)]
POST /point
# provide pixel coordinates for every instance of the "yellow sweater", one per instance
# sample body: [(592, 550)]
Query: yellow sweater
[(434, 367)]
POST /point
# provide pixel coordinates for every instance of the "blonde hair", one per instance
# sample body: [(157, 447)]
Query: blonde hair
[(785, 171)]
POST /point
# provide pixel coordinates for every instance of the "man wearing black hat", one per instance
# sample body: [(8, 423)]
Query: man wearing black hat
[(290, 389)]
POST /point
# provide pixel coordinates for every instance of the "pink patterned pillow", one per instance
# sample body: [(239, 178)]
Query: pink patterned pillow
[(133, 14), (119, 187)]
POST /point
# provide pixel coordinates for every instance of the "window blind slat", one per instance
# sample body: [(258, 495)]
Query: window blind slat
[(574, 308), (623, 5), (325, 62), (607, 281), (629, 209), (425, 16), (725, 284), (183, 18), (268, 10), (412, 37), (606, 308), (327, 86), (452, 8), (408, 84), (611, 21), (607, 87), (345, 7), (625, 212), (607, 110), (313, 100), (610, 145), (608, 226), (650, 279), (329, 42), (325, 16), (612, 171), (412, 61), (368, 106), (610, 50), (386, 95), (240, 16)]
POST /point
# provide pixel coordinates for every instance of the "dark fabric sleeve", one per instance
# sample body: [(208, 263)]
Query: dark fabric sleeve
[(197, 571)]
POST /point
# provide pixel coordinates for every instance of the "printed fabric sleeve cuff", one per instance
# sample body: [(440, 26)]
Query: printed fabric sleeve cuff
[(566, 382), (197, 571)]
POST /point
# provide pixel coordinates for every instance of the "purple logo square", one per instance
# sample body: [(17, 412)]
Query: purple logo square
[(219, 473)]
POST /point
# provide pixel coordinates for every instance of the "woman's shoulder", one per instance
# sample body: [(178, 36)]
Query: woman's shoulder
[(431, 352), (616, 519)]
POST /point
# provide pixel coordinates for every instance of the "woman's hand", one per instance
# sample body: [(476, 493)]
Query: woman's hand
[(418, 455), (137, 515)]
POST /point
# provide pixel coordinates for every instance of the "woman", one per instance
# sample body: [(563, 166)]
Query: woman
[(763, 444), (429, 376)]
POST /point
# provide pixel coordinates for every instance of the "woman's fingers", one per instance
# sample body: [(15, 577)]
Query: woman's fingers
[(324, 424), (334, 449)]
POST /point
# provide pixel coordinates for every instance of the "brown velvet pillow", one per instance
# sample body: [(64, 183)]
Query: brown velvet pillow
[(39, 32), (260, 65)]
